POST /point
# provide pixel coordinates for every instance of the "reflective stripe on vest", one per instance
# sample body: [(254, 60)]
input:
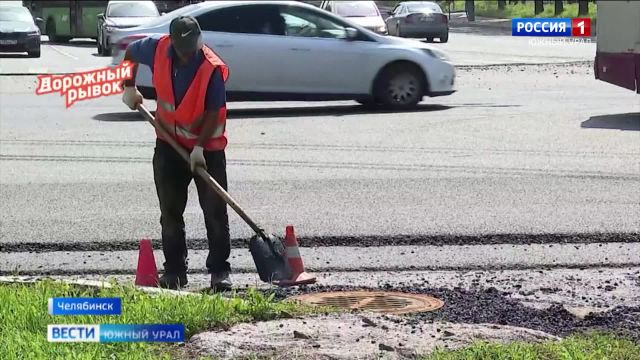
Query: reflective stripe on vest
[(185, 121), (165, 105), (217, 132)]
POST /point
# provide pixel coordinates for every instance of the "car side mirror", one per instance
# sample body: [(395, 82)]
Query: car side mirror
[(39, 21), (351, 34), (100, 16)]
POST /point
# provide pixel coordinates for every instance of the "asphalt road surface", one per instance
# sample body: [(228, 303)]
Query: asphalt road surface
[(532, 161)]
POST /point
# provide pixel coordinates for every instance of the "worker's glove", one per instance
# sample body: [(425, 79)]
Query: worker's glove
[(131, 97), (197, 158)]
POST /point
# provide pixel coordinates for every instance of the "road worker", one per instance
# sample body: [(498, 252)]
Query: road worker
[(189, 80)]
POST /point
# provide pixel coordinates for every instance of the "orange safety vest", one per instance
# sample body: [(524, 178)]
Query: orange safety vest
[(184, 123)]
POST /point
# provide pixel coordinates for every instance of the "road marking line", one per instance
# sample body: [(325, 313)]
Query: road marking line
[(63, 52), (38, 70)]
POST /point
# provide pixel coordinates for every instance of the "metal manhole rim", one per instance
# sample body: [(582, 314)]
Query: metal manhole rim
[(418, 302)]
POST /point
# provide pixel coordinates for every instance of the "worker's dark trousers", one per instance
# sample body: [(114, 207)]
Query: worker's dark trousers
[(172, 177)]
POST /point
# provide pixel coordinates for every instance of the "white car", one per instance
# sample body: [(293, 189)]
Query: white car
[(363, 13), (292, 51), (122, 14)]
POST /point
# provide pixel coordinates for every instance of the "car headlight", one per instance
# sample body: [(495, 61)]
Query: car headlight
[(437, 54), (34, 33)]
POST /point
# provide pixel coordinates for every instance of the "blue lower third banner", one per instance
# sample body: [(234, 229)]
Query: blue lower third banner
[(85, 306), (108, 333)]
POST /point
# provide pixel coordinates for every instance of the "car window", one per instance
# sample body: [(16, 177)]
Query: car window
[(306, 23), (357, 8), (398, 10), (329, 7), (166, 18), (15, 13), (245, 19), (424, 7), (132, 9)]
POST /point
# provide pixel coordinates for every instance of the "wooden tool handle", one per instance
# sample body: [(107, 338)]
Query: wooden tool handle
[(202, 172)]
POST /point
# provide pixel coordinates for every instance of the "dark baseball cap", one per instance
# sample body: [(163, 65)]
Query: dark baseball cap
[(186, 35)]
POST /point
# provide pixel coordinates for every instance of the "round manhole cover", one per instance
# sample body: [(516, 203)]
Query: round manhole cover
[(377, 301)]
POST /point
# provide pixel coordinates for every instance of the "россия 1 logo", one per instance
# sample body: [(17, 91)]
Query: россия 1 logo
[(562, 27)]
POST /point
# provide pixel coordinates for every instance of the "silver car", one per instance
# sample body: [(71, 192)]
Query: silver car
[(418, 19), (363, 13), (121, 14)]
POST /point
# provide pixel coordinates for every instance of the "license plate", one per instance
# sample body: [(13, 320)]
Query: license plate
[(8, 42)]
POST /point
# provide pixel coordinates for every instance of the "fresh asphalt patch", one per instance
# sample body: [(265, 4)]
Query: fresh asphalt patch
[(349, 258), (492, 306), (352, 241)]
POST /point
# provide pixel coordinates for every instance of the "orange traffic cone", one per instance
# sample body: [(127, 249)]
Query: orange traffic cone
[(147, 273), (299, 277)]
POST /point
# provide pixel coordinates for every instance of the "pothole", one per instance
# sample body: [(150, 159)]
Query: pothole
[(376, 301)]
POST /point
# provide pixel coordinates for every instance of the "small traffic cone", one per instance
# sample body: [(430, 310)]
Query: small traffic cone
[(299, 277), (147, 273)]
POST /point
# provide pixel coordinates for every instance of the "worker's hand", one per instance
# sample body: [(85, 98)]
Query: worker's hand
[(131, 97), (197, 158)]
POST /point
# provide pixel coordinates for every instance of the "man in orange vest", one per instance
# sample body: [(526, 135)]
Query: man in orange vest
[(189, 81)]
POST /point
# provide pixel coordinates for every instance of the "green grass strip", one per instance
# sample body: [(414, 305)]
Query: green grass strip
[(594, 346), (24, 318)]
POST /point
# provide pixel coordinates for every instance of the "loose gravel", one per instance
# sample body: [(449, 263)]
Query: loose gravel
[(490, 305)]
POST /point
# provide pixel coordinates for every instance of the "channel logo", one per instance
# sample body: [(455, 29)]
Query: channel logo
[(548, 27), (73, 333), (110, 333)]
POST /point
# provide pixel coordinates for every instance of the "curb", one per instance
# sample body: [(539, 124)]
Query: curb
[(482, 25), (90, 283)]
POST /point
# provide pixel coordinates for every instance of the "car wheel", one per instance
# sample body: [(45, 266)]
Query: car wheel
[(444, 37), (429, 39), (99, 46), (51, 30), (106, 50), (400, 87), (34, 54)]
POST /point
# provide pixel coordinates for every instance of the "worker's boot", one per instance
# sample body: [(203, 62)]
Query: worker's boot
[(173, 281), (221, 281)]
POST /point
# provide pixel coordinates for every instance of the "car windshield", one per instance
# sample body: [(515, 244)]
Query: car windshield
[(356, 9), (132, 9), (426, 7), (15, 14)]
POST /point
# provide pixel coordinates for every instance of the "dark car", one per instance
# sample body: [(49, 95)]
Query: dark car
[(18, 31), (418, 19), (119, 15)]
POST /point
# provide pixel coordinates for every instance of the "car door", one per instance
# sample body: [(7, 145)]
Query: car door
[(318, 59), (235, 34), (393, 20)]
